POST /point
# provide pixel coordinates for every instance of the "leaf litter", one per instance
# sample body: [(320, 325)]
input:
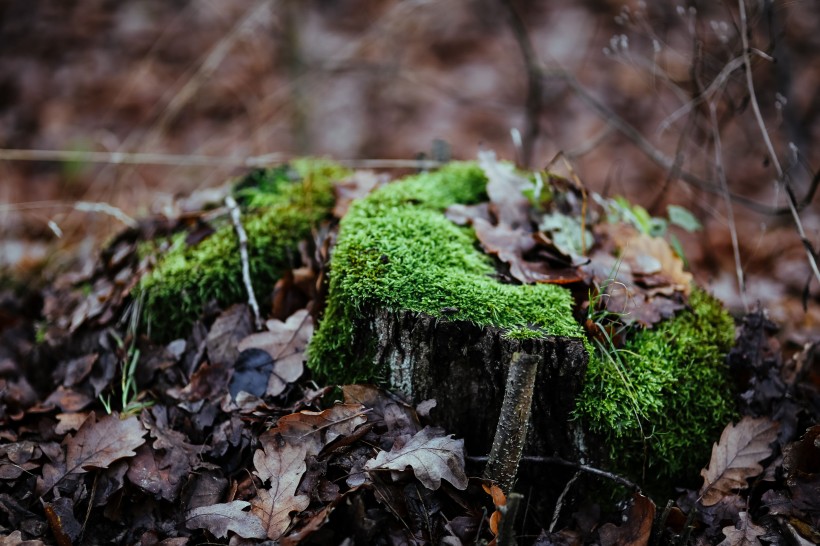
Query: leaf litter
[(236, 443)]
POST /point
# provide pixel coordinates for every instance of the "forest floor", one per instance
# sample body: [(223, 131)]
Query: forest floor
[(108, 438)]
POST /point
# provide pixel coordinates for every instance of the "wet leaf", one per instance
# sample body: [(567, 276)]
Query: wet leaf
[(736, 457), (229, 328), (637, 528), (745, 533), (218, 519), (285, 342), (431, 455)]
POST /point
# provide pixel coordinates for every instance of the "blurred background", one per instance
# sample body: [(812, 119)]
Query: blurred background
[(634, 95)]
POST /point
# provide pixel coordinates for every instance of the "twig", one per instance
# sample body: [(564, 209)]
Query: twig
[(508, 443), (747, 61), (506, 527), (532, 109), (139, 158), (82, 206), (560, 502), (730, 213), (563, 462), (230, 202)]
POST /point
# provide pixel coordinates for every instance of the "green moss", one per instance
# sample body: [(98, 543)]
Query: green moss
[(281, 204), (662, 400), (396, 250)]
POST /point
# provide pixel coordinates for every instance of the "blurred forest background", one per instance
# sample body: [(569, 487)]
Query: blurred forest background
[(635, 95)]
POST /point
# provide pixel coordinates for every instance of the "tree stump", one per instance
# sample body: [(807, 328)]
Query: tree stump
[(464, 368)]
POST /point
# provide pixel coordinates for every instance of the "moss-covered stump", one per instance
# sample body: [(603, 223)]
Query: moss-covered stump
[(413, 303)]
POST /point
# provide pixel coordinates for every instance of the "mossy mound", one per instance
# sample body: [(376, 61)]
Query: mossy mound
[(397, 251), (281, 206), (660, 401)]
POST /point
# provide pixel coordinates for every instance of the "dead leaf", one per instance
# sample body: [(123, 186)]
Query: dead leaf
[(505, 189), (285, 342), (283, 464), (60, 516), (431, 455), (637, 528), (314, 430), (218, 519), (98, 444), (16, 539), (356, 186), (745, 533), (736, 457), (231, 326)]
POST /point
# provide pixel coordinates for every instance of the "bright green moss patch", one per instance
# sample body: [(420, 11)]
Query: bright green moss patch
[(396, 250), (662, 400), (281, 205)]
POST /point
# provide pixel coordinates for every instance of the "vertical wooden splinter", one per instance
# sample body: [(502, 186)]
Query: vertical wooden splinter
[(511, 433)]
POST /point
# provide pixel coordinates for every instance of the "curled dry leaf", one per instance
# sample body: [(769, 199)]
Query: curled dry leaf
[(745, 533), (505, 189), (285, 342), (736, 457), (218, 519), (431, 455), (652, 256), (637, 528)]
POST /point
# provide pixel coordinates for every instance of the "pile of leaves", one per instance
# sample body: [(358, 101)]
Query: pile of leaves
[(222, 437)]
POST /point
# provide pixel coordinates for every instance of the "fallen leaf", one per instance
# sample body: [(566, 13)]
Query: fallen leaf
[(735, 458), (283, 464), (744, 533), (432, 457), (313, 430), (285, 342), (98, 444), (60, 516), (356, 186), (16, 539), (637, 528), (218, 519), (229, 328), (505, 189)]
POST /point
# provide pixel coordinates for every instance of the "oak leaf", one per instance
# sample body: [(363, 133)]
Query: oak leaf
[(285, 342), (99, 443), (218, 519), (431, 455), (746, 535), (736, 457), (283, 464), (637, 528)]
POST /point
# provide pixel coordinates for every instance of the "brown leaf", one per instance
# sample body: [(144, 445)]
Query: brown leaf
[(356, 186), (16, 539), (228, 329), (218, 519), (314, 430), (282, 463), (736, 456), (745, 535), (285, 342), (638, 526), (432, 457), (98, 444), (504, 187)]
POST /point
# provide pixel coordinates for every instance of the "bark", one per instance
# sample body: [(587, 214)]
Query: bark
[(464, 367)]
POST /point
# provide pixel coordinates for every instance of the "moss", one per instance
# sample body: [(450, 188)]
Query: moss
[(396, 250), (661, 401), (281, 207)]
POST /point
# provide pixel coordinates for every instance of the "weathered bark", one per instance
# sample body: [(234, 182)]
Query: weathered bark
[(464, 367)]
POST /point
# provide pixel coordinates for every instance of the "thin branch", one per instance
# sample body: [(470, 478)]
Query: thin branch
[(563, 462), (230, 202), (811, 253), (535, 95), (179, 160)]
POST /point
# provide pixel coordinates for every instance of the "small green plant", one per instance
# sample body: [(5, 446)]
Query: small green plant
[(130, 403)]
